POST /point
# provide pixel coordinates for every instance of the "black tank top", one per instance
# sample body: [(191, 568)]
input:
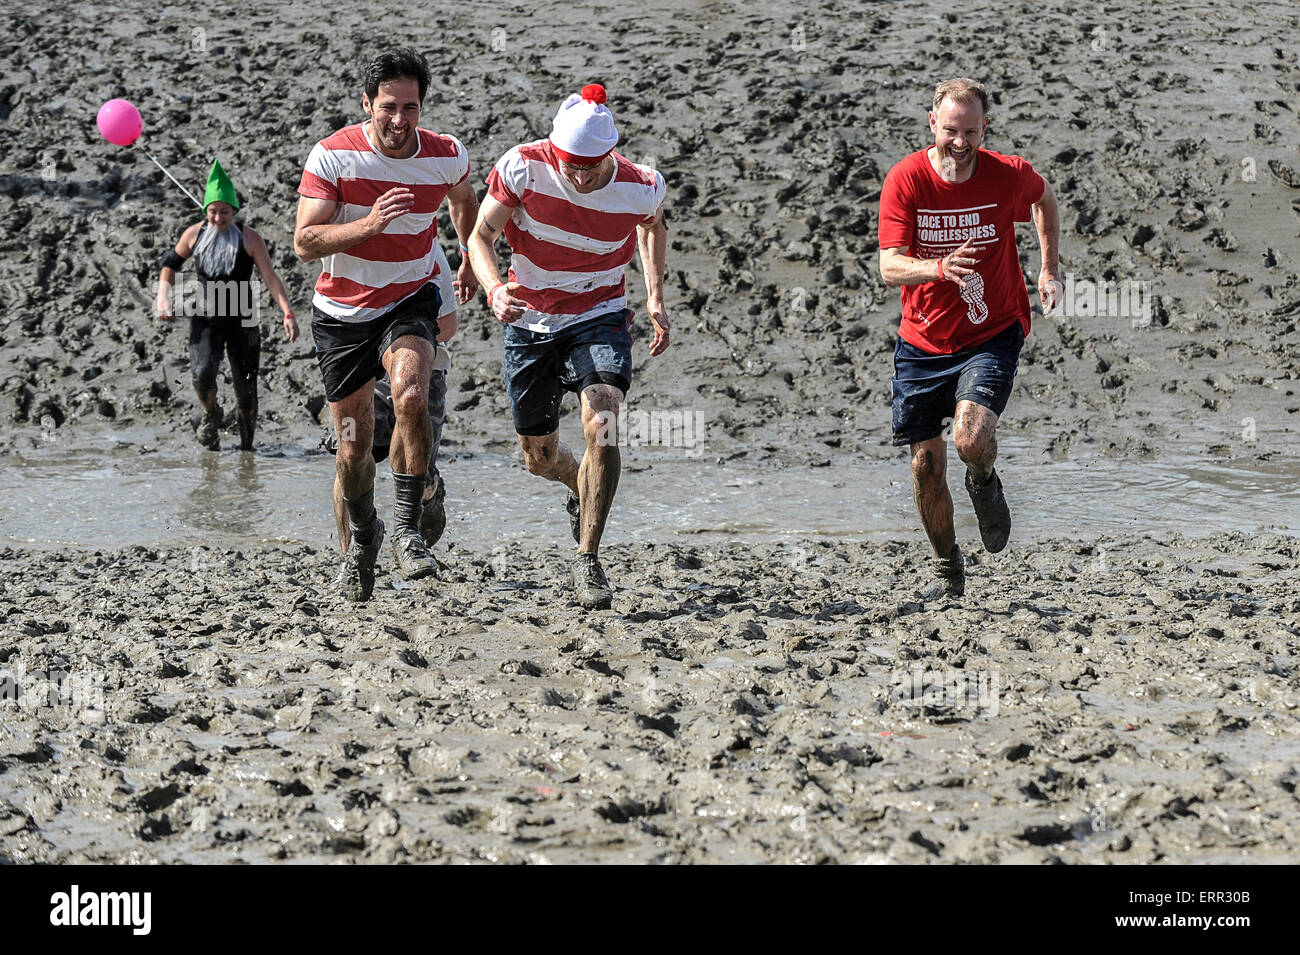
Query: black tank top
[(243, 269), (223, 300)]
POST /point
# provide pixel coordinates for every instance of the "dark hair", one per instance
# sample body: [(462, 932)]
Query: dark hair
[(396, 64)]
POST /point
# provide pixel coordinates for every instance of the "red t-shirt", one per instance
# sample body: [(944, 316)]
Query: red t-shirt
[(929, 218)]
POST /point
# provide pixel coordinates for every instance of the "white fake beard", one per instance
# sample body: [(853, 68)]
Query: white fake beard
[(217, 250)]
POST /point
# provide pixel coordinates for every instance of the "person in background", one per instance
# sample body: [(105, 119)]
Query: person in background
[(223, 310)]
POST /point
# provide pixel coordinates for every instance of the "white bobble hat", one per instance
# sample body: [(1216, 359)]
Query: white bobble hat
[(584, 131)]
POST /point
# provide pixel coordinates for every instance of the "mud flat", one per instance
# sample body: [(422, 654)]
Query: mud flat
[(1130, 700), (1101, 696)]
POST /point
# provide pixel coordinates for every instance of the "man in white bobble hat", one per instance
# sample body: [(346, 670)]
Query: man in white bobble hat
[(573, 211)]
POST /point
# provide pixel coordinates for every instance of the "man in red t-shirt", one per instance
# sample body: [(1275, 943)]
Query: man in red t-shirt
[(947, 236)]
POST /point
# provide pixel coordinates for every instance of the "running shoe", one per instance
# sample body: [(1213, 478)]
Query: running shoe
[(589, 583), (575, 513), (209, 430), (433, 518), (413, 557), (991, 510), (356, 580), (950, 576)]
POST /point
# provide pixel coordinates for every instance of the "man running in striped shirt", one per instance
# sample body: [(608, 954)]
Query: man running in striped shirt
[(369, 203), (573, 211)]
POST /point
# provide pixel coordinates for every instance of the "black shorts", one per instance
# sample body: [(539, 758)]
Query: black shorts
[(350, 353), (928, 387), (540, 366)]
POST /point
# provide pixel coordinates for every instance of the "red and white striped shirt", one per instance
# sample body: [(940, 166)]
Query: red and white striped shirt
[(369, 279), (569, 249)]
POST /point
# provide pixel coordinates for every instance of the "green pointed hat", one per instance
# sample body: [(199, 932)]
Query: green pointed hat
[(220, 188)]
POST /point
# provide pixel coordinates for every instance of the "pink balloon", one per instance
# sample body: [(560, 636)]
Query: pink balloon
[(119, 122)]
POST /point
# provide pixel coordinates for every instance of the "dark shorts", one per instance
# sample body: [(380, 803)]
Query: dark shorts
[(212, 338), (350, 353), (928, 387), (541, 366)]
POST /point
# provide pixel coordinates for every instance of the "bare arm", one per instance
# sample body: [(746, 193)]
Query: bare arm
[(492, 218), (462, 204), (1047, 220), (447, 325), (315, 237), (899, 268), (262, 259), (652, 244)]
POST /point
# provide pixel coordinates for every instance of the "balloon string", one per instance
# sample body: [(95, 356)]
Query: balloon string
[(174, 179)]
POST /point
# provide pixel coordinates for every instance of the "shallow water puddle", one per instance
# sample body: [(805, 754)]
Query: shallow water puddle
[(114, 495)]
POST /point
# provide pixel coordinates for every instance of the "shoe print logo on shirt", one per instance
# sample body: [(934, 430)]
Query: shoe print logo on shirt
[(973, 295)]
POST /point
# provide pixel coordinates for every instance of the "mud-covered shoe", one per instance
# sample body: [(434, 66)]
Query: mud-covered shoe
[(356, 580), (589, 583), (990, 510), (413, 557), (433, 519), (574, 508), (209, 430), (950, 576)]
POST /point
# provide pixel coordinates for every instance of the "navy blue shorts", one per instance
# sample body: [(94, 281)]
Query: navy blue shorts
[(928, 387), (541, 366)]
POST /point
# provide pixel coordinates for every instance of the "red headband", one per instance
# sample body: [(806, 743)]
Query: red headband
[(575, 160)]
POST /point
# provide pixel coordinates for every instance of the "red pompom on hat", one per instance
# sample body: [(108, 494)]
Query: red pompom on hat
[(583, 131)]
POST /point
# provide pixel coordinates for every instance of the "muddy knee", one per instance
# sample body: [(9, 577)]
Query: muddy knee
[(204, 378), (601, 431), (600, 416), (410, 399), (352, 455), (541, 460), (974, 444)]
